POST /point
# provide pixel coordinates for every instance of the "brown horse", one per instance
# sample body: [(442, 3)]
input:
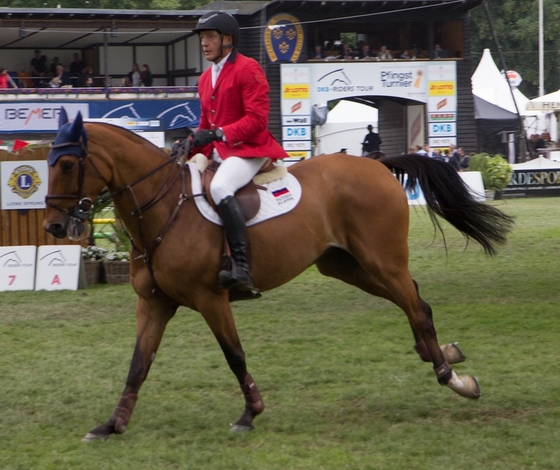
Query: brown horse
[(352, 222)]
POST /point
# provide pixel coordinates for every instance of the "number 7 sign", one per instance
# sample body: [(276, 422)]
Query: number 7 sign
[(17, 267)]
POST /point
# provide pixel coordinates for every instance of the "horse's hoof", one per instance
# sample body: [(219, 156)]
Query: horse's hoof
[(93, 437), (464, 385), (241, 428), (452, 353)]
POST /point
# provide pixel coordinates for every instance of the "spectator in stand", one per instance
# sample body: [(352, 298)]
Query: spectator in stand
[(24, 79), (88, 83), (52, 68), (134, 76), (384, 53), (365, 53), (318, 53), (76, 67), (146, 76), (62, 78), (86, 76), (5, 80), (38, 68), (439, 53), (125, 81), (405, 55), (346, 51)]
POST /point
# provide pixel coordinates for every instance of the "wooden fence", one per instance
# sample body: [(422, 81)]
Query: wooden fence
[(25, 227)]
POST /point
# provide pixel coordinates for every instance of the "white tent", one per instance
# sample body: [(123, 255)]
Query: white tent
[(491, 85), (537, 164), (346, 127), (550, 102)]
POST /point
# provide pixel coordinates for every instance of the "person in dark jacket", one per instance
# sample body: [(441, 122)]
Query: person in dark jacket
[(146, 76), (371, 142)]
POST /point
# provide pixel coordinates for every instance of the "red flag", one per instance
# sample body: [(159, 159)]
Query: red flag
[(19, 144)]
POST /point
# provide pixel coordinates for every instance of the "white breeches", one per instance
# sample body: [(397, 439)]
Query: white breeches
[(233, 174)]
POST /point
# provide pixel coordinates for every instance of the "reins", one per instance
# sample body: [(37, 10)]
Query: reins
[(85, 205)]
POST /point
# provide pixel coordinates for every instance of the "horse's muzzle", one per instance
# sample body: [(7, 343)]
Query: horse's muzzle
[(57, 230)]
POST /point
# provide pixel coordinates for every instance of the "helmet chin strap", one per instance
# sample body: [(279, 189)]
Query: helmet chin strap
[(223, 49)]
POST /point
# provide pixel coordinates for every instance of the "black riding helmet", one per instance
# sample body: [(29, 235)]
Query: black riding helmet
[(219, 21)]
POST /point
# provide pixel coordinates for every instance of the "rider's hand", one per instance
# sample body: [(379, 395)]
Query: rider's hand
[(205, 136)]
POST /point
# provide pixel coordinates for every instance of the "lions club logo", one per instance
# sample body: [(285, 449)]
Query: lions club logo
[(24, 181)]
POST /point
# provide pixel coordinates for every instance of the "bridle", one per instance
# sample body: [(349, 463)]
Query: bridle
[(84, 205)]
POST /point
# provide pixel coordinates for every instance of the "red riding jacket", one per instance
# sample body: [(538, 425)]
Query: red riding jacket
[(238, 105)]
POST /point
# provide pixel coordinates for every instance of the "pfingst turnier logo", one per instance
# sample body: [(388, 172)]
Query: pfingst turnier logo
[(24, 181)]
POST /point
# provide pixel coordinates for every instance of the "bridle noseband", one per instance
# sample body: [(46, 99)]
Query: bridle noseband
[(85, 205)]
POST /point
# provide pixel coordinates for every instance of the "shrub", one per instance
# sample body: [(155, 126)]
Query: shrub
[(496, 171)]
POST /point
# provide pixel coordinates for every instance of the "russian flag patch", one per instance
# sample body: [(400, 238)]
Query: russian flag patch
[(280, 192)]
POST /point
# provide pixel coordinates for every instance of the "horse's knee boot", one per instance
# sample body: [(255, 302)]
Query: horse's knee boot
[(236, 232)]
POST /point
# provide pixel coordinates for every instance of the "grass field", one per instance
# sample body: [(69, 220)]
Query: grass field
[(343, 388)]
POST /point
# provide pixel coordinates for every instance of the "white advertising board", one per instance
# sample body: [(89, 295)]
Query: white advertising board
[(25, 117), (58, 267), (24, 184), (337, 80), (17, 267)]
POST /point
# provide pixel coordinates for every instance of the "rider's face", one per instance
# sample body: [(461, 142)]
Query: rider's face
[(211, 42)]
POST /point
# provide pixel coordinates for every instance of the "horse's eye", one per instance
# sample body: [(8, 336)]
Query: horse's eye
[(67, 166)]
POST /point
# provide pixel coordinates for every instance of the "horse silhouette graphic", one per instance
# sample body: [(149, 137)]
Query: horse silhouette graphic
[(56, 257), (13, 257), (336, 76)]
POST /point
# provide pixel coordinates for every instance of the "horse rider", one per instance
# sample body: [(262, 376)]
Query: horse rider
[(233, 130)]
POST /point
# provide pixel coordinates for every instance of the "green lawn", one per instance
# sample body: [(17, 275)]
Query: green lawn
[(336, 369)]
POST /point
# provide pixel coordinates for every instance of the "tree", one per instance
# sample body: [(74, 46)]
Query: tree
[(516, 24)]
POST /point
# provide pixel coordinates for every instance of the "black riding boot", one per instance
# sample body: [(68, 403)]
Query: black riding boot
[(236, 232)]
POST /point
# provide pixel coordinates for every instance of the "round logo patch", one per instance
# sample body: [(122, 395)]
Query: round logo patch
[(24, 181)]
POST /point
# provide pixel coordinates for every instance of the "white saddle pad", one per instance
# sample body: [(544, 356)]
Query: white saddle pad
[(280, 197)]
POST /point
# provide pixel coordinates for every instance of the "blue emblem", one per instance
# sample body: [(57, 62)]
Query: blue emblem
[(283, 38)]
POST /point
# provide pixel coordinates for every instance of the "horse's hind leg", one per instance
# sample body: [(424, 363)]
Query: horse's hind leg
[(340, 264), (401, 290), (152, 317), (451, 351)]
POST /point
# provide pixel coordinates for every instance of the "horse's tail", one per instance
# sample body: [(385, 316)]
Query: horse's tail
[(449, 197)]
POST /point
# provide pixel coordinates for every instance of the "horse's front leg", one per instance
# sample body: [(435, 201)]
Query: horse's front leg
[(152, 316), (216, 310)]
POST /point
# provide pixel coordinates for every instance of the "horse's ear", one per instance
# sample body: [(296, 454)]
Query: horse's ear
[(76, 128), (62, 118)]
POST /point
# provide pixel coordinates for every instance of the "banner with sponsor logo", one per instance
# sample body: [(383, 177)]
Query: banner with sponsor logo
[(36, 117), (43, 117), (442, 105), (296, 112), (24, 184), (338, 80), (433, 86)]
